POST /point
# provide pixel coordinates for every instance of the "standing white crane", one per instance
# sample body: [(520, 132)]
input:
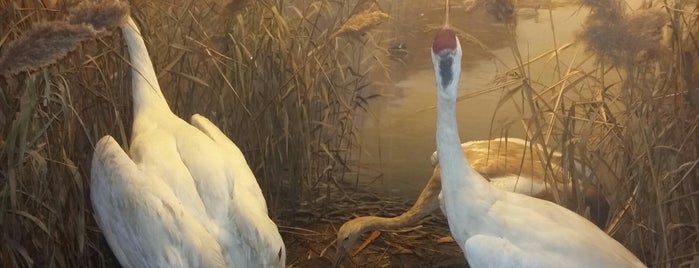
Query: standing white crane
[(496, 228), (507, 163), (184, 196)]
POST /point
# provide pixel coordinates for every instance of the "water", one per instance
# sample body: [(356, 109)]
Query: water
[(399, 137)]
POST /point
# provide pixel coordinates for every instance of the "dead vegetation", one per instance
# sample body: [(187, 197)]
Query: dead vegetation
[(271, 76), (628, 109), (286, 82)]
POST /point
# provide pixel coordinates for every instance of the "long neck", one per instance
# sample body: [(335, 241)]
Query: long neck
[(408, 218), (426, 203), (145, 87), (457, 173)]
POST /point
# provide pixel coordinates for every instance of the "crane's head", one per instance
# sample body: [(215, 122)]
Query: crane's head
[(347, 237), (446, 58)]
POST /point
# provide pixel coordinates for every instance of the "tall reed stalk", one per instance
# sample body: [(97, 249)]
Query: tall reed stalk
[(282, 79), (628, 110)]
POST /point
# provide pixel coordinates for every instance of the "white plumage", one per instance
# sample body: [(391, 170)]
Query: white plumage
[(510, 164), (515, 165), (496, 228), (184, 196)]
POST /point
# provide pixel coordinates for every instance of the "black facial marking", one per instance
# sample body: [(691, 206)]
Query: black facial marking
[(445, 70)]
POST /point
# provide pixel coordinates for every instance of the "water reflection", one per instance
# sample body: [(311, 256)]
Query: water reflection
[(398, 140)]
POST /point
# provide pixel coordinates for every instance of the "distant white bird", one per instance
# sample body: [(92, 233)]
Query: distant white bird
[(497, 228), (512, 165), (508, 163), (184, 196)]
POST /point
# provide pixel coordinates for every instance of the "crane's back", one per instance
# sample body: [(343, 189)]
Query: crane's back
[(195, 200), (547, 235)]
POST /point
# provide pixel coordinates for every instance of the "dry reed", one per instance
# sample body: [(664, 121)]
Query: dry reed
[(45, 44), (260, 75), (622, 39), (630, 117), (100, 15), (50, 41), (362, 22), (234, 7)]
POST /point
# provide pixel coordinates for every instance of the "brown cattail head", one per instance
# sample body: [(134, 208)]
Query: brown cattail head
[(101, 15), (606, 10), (362, 22), (621, 39), (646, 27), (48, 42), (43, 45), (606, 40)]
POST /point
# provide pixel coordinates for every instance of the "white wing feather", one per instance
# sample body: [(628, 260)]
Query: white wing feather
[(248, 209), (486, 251), (138, 213), (184, 196), (507, 240)]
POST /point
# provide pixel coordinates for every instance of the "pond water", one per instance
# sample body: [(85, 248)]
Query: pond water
[(398, 136)]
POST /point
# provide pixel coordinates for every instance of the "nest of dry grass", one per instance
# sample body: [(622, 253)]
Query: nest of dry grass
[(425, 245)]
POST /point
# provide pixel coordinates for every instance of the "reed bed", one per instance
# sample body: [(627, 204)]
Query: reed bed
[(627, 108), (281, 79), (286, 81)]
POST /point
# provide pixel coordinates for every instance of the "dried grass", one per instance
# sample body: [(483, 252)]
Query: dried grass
[(286, 91), (621, 39), (362, 22), (261, 76), (234, 7), (45, 44), (631, 118), (100, 15), (50, 41)]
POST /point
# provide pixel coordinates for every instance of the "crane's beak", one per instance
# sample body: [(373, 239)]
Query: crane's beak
[(339, 256)]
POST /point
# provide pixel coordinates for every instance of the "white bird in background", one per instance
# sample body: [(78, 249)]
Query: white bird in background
[(516, 165), (508, 163), (497, 228), (184, 196)]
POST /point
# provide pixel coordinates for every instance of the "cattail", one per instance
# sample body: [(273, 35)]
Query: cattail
[(362, 22), (605, 10), (646, 26), (607, 40), (43, 45), (621, 39), (48, 42), (100, 15)]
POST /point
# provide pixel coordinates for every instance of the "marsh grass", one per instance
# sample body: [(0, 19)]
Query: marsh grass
[(628, 110), (286, 82), (270, 74)]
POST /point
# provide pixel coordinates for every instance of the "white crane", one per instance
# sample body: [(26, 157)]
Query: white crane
[(515, 165), (496, 228), (507, 163), (184, 196)]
